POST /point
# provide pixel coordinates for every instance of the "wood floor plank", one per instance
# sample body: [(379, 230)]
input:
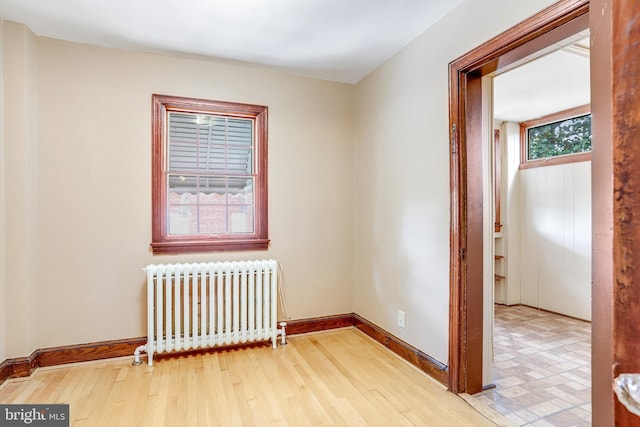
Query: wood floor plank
[(337, 378), (90, 399), (142, 379), (344, 379), (72, 383), (266, 400), (298, 399), (163, 370)]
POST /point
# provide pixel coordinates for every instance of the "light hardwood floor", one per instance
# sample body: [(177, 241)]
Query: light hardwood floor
[(340, 377)]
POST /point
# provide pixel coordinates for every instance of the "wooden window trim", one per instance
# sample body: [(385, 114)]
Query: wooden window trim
[(556, 160), (162, 242)]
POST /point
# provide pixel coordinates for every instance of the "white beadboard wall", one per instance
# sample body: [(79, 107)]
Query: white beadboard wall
[(555, 231), (510, 206)]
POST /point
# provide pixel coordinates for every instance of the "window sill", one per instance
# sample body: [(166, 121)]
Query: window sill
[(558, 160), (199, 246)]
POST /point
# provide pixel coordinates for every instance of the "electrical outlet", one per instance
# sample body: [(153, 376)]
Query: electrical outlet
[(401, 318)]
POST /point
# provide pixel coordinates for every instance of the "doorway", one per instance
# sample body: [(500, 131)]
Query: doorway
[(542, 226), (615, 75), (540, 338), (467, 220)]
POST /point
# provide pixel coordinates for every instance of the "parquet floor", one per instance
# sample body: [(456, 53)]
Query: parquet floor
[(340, 377), (542, 368)]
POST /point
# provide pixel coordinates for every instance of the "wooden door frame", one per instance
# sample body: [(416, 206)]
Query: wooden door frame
[(549, 26), (615, 79), (615, 164)]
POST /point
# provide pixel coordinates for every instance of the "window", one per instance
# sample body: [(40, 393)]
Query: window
[(209, 170), (562, 137)]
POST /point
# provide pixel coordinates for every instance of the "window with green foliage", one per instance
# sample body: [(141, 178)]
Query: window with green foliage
[(559, 138), (562, 137)]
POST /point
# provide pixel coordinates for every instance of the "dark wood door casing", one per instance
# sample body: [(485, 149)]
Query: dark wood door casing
[(615, 77), (615, 65), (549, 26)]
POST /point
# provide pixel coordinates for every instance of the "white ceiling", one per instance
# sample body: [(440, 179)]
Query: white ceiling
[(547, 82), (340, 40)]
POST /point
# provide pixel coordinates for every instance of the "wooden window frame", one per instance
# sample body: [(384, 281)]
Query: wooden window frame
[(162, 241), (551, 118)]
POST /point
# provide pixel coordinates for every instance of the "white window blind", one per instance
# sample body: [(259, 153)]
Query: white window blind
[(211, 173)]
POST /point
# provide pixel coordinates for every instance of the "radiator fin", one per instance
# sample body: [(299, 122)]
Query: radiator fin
[(200, 305)]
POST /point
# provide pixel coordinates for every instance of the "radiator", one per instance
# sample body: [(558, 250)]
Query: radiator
[(202, 305)]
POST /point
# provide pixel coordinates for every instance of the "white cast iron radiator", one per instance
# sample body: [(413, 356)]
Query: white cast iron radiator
[(200, 305)]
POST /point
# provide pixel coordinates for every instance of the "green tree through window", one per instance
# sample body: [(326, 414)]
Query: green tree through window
[(568, 136)]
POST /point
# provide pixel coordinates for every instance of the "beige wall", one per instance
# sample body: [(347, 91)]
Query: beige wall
[(91, 200), (19, 201), (365, 232), (3, 314), (402, 175)]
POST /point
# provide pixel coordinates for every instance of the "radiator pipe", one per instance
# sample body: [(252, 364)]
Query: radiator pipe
[(283, 338), (136, 355)]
